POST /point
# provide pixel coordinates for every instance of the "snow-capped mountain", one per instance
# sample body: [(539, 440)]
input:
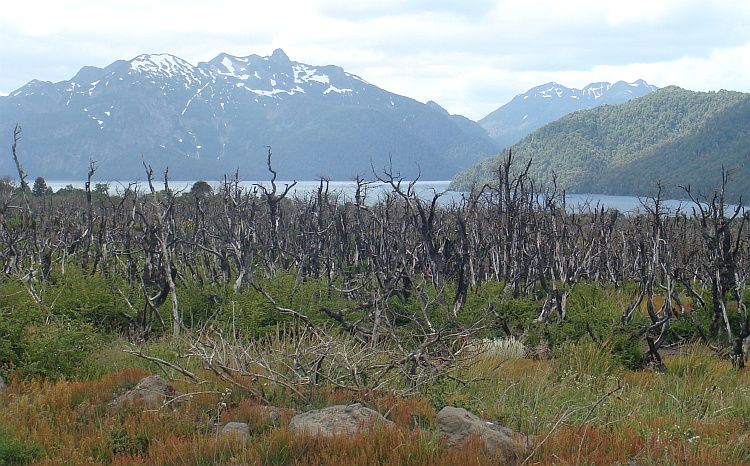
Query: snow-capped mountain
[(549, 102), (214, 118)]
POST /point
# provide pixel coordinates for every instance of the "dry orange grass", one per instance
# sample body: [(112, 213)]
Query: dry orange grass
[(697, 445), (73, 424), (697, 413)]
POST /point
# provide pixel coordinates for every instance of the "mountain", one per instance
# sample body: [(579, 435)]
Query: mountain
[(549, 102), (219, 116), (672, 135)]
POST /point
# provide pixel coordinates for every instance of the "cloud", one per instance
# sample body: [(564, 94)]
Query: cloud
[(364, 11), (470, 57)]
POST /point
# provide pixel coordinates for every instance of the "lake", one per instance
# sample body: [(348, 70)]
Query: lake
[(425, 189)]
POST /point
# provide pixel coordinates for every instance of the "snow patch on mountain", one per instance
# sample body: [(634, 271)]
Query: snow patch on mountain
[(271, 93), (162, 64), (165, 66), (592, 91), (231, 70), (339, 91), (597, 90), (228, 65), (304, 74)]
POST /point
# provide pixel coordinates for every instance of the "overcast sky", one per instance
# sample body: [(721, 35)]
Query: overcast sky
[(470, 56)]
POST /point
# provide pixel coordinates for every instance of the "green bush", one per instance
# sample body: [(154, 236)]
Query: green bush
[(13, 342), (519, 314), (15, 300), (62, 351), (250, 313), (122, 441), (628, 352), (14, 451), (81, 296), (196, 307)]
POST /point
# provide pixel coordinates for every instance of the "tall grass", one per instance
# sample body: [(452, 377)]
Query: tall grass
[(501, 349)]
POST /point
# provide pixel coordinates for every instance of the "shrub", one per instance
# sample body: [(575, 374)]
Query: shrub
[(628, 352), (63, 351), (14, 451), (53, 351), (79, 295), (12, 340)]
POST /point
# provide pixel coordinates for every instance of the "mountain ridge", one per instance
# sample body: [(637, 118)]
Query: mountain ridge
[(548, 102), (215, 117)]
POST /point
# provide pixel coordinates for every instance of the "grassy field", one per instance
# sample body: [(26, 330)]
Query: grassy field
[(582, 406)]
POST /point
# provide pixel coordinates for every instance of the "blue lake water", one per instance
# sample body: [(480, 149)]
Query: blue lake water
[(426, 189)]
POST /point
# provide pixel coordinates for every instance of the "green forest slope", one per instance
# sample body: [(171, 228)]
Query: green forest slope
[(673, 135)]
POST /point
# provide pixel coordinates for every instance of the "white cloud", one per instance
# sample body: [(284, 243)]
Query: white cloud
[(721, 69), (470, 57)]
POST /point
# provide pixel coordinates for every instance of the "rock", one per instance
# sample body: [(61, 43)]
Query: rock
[(351, 419), (264, 417), (151, 391), (456, 425), (3, 387), (236, 430)]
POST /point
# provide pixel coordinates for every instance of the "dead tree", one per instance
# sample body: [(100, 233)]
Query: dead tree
[(740, 345), (722, 236), (512, 197), (272, 201), (422, 215)]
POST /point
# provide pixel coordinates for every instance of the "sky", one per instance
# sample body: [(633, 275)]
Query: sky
[(469, 56)]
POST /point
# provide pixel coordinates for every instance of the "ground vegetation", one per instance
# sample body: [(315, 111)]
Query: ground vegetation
[(609, 337)]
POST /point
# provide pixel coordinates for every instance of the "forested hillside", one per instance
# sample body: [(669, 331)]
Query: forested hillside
[(546, 103), (673, 135)]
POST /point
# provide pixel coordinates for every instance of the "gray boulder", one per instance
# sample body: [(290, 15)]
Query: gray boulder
[(456, 425), (339, 419), (236, 430), (151, 392), (3, 387)]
